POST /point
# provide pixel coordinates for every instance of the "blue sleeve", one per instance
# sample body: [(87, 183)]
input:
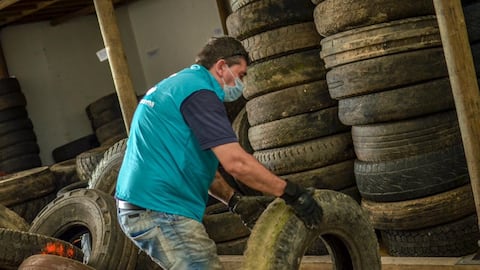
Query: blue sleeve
[(205, 114)]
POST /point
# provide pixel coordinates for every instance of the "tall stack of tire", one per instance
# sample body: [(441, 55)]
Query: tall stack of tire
[(18, 143), (294, 128), (106, 119), (387, 69)]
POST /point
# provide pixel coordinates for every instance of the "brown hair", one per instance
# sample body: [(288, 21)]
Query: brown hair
[(225, 47)]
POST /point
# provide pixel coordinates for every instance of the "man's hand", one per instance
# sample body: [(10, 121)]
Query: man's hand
[(303, 204), (249, 208)]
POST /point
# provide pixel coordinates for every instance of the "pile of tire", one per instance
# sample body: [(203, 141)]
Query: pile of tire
[(18, 143), (293, 129), (106, 119), (386, 68)]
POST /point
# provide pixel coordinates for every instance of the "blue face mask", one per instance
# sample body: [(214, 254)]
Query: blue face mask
[(232, 93)]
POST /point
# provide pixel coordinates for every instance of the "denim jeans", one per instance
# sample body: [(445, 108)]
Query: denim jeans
[(173, 242)]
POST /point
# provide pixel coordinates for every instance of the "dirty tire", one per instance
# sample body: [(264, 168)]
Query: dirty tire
[(17, 137), (72, 186), (26, 185), (104, 177), (281, 41), (28, 244), (386, 72), (107, 102), (412, 177), (344, 228), (15, 124), (237, 4), (454, 239), (110, 130), (289, 102), (224, 225), (240, 126), (20, 163), (283, 72), (11, 220), (380, 39), (20, 149), (12, 100), (13, 113), (334, 177), (400, 139), (295, 129), (397, 104), (87, 161), (332, 16), (52, 262), (65, 173), (8, 85), (72, 149), (30, 209), (91, 211), (261, 16), (423, 212), (232, 247), (307, 155)]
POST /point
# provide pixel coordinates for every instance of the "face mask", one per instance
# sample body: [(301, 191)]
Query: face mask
[(232, 93)]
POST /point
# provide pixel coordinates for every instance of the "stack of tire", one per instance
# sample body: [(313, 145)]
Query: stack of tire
[(18, 143), (387, 69), (106, 119), (294, 128)]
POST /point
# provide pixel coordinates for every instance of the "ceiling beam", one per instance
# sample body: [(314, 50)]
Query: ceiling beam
[(25, 13), (7, 3)]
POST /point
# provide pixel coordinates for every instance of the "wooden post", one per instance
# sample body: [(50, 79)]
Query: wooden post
[(117, 60), (463, 79)]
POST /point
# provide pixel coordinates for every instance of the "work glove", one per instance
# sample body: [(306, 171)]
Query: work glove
[(249, 208), (304, 205)]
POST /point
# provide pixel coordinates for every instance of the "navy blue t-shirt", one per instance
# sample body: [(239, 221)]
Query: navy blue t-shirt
[(205, 114)]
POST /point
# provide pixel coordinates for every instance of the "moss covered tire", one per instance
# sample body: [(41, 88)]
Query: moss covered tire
[(351, 239)]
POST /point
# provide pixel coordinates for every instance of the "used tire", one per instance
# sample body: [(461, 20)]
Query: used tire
[(11, 220), (52, 262), (344, 228)]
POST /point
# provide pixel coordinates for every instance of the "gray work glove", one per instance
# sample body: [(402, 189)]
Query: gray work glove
[(249, 208), (303, 204)]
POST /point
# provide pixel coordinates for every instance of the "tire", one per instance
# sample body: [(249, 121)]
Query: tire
[(386, 72), (16, 124), (90, 211), (261, 16), (28, 210), (107, 102), (332, 16), (8, 85), (380, 39), (472, 21), (72, 186), (12, 100), (28, 244), (240, 126), (283, 72), (401, 139), (26, 185), (397, 104), (344, 228), (307, 155), (72, 149), (105, 117), (289, 102), (224, 226), (65, 173), (296, 129), (237, 4), (11, 220), (52, 262), (454, 239), (110, 130), (282, 41), (232, 247), (423, 212), (20, 163), (17, 137), (104, 177), (334, 177), (412, 177), (87, 161), (20, 149), (13, 113)]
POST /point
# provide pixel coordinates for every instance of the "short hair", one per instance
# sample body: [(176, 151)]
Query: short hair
[(228, 48)]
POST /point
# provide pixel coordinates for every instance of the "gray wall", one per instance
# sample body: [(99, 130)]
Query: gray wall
[(60, 74)]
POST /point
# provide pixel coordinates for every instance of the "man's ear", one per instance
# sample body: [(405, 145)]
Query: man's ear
[(218, 67)]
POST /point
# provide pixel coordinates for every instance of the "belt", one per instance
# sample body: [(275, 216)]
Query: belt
[(128, 206)]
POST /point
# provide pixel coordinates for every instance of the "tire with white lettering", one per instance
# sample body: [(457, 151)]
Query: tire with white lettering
[(344, 228), (16, 246), (93, 212)]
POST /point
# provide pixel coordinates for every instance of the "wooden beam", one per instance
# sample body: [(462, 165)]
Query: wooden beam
[(464, 83), (224, 10), (27, 12), (7, 3), (117, 60), (81, 12)]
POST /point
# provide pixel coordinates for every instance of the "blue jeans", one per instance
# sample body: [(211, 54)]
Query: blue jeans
[(172, 241)]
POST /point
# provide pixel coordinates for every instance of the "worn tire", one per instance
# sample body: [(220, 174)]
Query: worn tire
[(240, 127), (11, 220), (397, 104), (52, 262), (223, 225), (87, 161), (91, 211), (380, 39), (65, 173), (289, 102), (333, 16), (26, 244), (423, 212), (344, 228)]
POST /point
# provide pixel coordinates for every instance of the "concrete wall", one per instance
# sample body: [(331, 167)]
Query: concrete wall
[(60, 74)]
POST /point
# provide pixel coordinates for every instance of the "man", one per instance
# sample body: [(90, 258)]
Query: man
[(179, 134)]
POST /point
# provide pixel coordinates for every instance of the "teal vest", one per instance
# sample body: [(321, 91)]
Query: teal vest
[(164, 168)]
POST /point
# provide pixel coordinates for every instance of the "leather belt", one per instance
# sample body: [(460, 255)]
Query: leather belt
[(128, 206)]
